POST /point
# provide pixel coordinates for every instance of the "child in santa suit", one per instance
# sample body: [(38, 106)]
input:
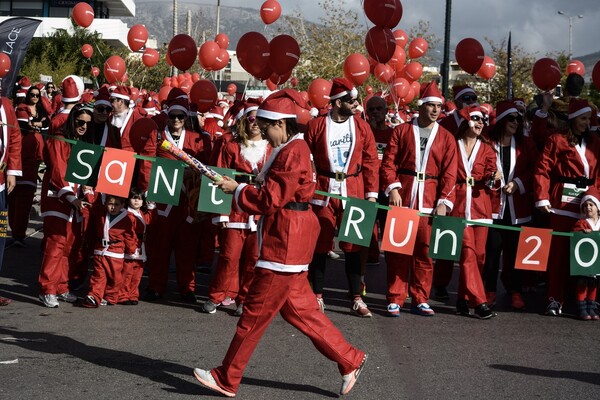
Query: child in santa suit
[(288, 232), (114, 234), (587, 286), (141, 214)]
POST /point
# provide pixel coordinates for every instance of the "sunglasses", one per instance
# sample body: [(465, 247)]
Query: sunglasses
[(477, 118), (80, 122), (251, 119), (102, 109), (34, 95), (51, 87), (180, 117), (350, 101), (469, 97), (513, 118)]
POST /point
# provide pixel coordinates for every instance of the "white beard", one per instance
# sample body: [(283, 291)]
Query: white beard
[(254, 152), (118, 119)]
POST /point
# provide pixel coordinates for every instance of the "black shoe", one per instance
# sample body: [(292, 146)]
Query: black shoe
[(482, 311), (441, 293), (152, 296), (189, 297), (124, 303), (462, 307)]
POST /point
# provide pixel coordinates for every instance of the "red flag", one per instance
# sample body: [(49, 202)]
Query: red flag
[(116, 172), (533, 249), (400, 230)]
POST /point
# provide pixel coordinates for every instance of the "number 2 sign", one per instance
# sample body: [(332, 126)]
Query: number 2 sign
[(533, 249)]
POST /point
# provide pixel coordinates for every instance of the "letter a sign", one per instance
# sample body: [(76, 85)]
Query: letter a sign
[(400, 230), (585, 252), (212, 199), (446, 238), (116, 172), (357, 223)]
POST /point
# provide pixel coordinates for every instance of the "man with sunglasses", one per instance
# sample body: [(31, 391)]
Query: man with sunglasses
[(345, 157)]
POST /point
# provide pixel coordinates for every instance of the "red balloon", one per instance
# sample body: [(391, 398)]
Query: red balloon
[(575, 67), (488, 68), (182, 51), (135, 93), (231, 89), (294, 82), (383, 13), (280, 79), (380, 44), (95, 72), (318, 92), (253, 52), (167, 81), (83, 14), (285, 54), (163, 93), (222, 40), (150, 57), (304, 95), (412, 71), (195, 77), (168, 60), (125, 77), (546, 73), (114, 69), (204, 95), (4, 64), (369, 89), (87, 50), (398, 59), (264, 74), (595, 75), (270, 11), (416, 87), (356, 68), (302, 115), (384, 73), (186, 86), (400, 87), (408, 98), (271, 85), (469, 55), (417, 48), (137, 37), (174, 82), (401, 37), (221, 60), (207, 55)]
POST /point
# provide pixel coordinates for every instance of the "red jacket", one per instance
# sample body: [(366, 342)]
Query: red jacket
[(10, 151), (112, 238)]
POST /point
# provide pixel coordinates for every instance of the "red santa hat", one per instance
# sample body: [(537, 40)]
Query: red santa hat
[(103, 97), (590, 195), (217, 112), (25, 83), (449, 106), (281, 105), (87, 97), (471, 111), (505, 108), (341, 87), (121, 92), (150, 105), (23, 113), (69, 91), (519, 102), (234, 113), (430, 94), (252, 104), (22, 93), (461, 90), (578, 107), (179, 104)]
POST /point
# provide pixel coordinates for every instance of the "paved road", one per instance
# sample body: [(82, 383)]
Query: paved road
[(148, 351)]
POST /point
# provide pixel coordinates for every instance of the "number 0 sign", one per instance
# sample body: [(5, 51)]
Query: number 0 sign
[(533, 250)]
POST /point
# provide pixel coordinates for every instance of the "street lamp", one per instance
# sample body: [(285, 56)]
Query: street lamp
[(570, 30)]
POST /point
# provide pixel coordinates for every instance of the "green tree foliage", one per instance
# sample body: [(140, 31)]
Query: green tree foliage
[(144, 77)]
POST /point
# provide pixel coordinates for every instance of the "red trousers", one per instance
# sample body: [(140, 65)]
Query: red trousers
[(418, 266), (558, 260), (63, 240), (106, 281), (235, 267), (330, 218), (173, 233), (472, 260), (132, 276), (20, 201), (586, 288), (289, 294)]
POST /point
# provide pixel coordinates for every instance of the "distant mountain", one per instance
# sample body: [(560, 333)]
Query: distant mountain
[(234, 21), (588, 62)]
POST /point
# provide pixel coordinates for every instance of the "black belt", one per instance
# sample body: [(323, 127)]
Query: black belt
[(421, 176), (338, 176), (297, 206), (250, 179), (470, 181), (581, 181), (106, 243)]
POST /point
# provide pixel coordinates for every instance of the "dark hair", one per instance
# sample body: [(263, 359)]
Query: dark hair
[(69, 127), (39, 108), (574, 85), (290, 123), (462, 130), (496, 132), (137, 193), (107, 197)]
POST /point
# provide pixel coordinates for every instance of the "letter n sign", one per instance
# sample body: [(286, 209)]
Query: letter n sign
[(166, 178), (357, 222), (212, 199), (84, 163), (446, 238), (585, 251)]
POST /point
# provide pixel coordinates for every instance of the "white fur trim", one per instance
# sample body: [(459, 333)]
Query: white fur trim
[(464, 91), (505, 113), (272, 115), (579, 112)]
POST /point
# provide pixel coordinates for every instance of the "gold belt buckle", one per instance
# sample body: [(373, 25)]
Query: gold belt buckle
[(470, 181), (340, 176), (251, 180), (2, 167), (420, 176)]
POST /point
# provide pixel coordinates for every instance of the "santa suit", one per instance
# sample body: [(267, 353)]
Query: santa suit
[(472, 201), (559, 170), (423, 184), (113, 238), (133, 114), (515, 209), (237, 238), (280, 284), (59, 119), (133, 267), (62, 223), (106, 135), (587, 286), (451, 122), (175, 226)]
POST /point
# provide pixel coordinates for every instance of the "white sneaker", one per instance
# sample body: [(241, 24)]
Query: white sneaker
[(207, 380), (67, 297), (321, 304), (333, 255), (393, 310), (349, 380), (49, 300)]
